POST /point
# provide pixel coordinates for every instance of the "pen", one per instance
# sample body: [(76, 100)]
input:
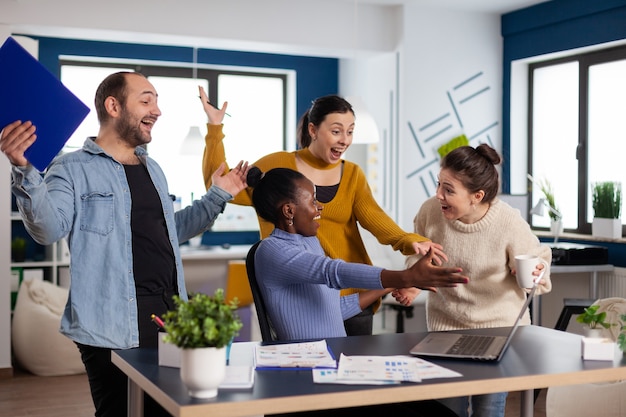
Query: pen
[(157, 320), (214, 106)]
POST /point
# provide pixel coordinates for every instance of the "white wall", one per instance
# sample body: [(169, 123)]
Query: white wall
[(5, 237), (292, 26), (448, 57)]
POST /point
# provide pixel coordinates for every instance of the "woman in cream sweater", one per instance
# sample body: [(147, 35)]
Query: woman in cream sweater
[(482, 235)]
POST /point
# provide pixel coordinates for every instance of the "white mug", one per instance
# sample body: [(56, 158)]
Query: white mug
[(525, 265)]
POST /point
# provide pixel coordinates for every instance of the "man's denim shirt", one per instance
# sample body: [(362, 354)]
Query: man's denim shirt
[(85, 196)]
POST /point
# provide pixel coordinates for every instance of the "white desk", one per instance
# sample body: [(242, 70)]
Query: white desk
[(572, 269), (206, 267), (592, 269)]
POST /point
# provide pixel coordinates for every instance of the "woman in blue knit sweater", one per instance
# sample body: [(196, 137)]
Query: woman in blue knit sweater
[(299, 283)]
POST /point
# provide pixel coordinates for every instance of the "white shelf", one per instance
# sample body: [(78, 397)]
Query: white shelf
[(50, 265)]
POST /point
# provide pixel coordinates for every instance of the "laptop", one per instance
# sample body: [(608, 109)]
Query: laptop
[(450, 344)]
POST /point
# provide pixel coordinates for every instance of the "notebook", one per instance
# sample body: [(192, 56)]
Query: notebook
[(28, 91), (465, 346)]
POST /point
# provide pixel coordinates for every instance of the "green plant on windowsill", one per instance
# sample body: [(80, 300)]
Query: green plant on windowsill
[(607, 199), (546, 189), (621, 338), (202, 321)]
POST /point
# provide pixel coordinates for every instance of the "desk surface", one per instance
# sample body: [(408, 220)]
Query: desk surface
[(560, 269), (538, 357), (214, 252)]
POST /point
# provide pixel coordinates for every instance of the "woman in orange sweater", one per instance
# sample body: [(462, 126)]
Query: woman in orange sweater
[(325, 133)]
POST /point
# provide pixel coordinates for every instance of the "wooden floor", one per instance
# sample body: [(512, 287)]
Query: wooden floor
[(26, 395)]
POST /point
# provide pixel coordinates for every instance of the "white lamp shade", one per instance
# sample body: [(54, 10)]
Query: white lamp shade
[(538, 210), (193, 144), (365, 127)]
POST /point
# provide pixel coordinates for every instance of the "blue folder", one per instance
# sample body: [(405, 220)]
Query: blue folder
[(28, 91)]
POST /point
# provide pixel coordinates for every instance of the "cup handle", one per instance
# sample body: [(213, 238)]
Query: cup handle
[(543, 271)]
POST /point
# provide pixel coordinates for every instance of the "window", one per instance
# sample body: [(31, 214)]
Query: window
[(577, 119), (256, 126)]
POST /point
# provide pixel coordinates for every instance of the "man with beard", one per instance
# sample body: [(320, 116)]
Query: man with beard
[(111, 201)]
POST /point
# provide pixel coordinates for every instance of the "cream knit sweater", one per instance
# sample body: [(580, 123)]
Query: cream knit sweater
[(486, 252)]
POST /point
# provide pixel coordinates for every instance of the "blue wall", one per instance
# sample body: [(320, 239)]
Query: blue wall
[(553, 26), (315, 77)]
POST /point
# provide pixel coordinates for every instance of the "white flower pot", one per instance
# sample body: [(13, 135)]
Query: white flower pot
[(556, 227), (202, 370), (609, 228), (592, 333)]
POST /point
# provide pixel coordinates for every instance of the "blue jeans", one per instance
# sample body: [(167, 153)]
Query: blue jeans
[(487, 405)]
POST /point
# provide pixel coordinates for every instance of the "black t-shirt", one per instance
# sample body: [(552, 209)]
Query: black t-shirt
[(153, 258), (154, 266)]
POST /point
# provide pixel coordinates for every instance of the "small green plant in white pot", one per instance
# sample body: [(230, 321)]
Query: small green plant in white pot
[(606, 199), (593, 321), (202, 327)]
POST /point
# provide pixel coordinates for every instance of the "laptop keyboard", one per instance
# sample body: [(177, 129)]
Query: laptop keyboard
[(471, 345)]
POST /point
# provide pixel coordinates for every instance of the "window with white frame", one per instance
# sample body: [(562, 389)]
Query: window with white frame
[(576, 128), (255, 125)]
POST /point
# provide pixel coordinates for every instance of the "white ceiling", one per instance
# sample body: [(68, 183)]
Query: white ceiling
[(485, 6), (316, 28)]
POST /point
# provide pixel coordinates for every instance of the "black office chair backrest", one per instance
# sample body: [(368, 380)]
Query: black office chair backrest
[(268, 334)]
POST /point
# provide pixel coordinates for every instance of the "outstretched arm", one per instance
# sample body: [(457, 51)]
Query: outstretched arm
[(234, 181), (215, 115), (424, 274), (214, 153)]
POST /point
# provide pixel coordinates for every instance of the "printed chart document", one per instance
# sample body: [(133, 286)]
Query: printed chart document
[(369, 370), (29, 92), (294, 355)]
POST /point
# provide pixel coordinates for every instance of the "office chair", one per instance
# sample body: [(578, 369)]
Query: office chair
[(268, 334)]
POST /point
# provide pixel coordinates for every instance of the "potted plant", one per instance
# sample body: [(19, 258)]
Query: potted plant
[(18, 249), (606, 200), (621, 338), (202, 328), (593, 321), (556, 225)]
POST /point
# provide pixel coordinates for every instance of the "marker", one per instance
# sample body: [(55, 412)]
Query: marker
[(157, 320), (214, 106)]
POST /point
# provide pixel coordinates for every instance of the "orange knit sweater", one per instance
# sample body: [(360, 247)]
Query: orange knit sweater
[(353, 203)]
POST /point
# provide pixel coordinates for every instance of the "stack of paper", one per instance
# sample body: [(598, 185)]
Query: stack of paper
[(238, 377), (294, 355), (381, 370)]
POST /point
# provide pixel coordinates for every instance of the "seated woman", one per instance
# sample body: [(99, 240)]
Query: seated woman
[(299, 283)]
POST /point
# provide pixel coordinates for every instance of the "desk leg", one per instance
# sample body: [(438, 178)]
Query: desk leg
[(135, 400), (535, 310), (527, 403)]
